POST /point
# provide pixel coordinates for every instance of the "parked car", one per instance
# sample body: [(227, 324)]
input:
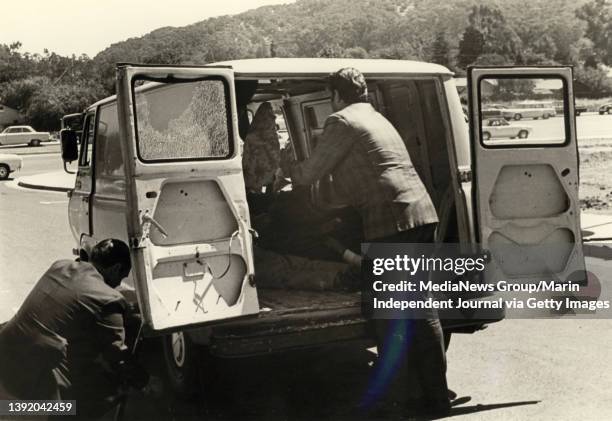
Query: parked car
[(530, 109), (9, 163), (606, 108), (560, 108), (16, 135), (579, 109), (491, 112), (500, 128)]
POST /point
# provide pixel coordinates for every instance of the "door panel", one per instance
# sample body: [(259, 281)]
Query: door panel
[(79, 205), (526, 190), (187, 218)]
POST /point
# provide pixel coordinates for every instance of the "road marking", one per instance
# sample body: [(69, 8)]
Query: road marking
[(52, 202), (12, 184)]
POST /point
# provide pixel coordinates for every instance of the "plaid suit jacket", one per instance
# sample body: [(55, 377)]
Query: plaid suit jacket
[(372, 169)]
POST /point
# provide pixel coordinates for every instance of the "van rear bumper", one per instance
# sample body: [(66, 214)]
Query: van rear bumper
[(265, 335), (269, 333)]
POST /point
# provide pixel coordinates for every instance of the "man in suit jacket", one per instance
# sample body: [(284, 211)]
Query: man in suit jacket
[(68, 339), (373, 171)]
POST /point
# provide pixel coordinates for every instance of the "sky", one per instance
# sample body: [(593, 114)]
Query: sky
[(69, 27)]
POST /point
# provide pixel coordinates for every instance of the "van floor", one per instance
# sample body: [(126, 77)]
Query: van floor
[(292, 299)]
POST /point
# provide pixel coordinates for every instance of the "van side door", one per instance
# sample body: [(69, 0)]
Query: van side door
[(79, 205), (187, 219), (526, 188)]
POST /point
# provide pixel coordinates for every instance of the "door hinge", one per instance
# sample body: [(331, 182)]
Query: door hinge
[(135, 243), (465, 176)]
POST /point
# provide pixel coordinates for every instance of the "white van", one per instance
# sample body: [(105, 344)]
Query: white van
[(530, 109), (159, 166)]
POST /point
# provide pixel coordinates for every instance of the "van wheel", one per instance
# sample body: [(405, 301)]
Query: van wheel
[(517, 116), (35, 142), (523, 134), (545, 116), (486, 136), (4, 172), (182, 368)]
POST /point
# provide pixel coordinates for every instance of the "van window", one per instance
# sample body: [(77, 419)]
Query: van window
[(108, 159), (529, 106), (183, 121), (87, 141)]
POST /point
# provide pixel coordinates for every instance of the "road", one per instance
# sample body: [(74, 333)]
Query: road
[(588, 126), (515, 369), (33, 232)]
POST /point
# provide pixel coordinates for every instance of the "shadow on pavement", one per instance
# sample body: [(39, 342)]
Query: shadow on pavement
[(488, 407)]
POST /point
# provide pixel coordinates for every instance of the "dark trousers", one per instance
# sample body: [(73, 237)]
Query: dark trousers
[(416, 344)]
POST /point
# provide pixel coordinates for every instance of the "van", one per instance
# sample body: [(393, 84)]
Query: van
[(159, 166), (529, 109)]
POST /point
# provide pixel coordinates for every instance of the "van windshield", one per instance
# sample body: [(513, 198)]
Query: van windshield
[(183, 121)]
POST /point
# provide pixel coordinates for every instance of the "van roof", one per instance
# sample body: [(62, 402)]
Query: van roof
[(277, 67), (289, 67)]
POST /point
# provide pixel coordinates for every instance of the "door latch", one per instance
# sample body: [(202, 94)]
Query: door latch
[(148, 218)]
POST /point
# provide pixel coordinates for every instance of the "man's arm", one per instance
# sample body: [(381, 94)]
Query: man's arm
[(334, 143), (110, 332)]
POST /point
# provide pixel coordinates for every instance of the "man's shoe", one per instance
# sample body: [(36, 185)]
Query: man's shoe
[(436, 409)]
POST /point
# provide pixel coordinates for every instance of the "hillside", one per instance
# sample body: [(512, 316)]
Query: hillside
[(357, 28), (454, 33)]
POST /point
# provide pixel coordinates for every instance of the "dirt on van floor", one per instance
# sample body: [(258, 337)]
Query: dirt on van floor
[(596, 176)]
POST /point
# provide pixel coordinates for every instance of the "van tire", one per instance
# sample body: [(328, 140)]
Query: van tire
[(182, 364), (545, 116), (517, 116), (35, 142), (523, 134), (4, 172), (486, 135)]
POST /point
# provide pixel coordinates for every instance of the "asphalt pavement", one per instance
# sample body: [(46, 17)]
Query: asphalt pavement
[(34, 232)]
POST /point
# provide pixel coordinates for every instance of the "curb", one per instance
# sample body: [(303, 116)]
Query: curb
[(38, 153), (40, 187)]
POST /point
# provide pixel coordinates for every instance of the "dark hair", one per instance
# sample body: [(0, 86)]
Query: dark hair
[(109, 252), (350, 84)]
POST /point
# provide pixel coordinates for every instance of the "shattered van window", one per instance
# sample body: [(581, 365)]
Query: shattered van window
[(183, 121)]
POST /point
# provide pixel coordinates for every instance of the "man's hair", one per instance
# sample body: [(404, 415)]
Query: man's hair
[(109, 252), (350, 84)]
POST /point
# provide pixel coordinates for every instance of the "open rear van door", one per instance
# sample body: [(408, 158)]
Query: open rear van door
[(526, 178), (188, 220)]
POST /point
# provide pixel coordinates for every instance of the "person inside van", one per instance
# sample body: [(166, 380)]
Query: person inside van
[(261, 154), (371, 167)]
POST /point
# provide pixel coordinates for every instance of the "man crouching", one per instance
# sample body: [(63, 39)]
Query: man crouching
[(68, 339)]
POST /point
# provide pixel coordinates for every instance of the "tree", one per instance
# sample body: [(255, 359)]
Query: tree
[(491, 60), (331, 51), (595, 79), (598, 17), (441, 49), (499, 36), (471, 46)]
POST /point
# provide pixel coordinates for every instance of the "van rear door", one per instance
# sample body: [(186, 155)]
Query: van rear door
[(188, 220), (526, 183)]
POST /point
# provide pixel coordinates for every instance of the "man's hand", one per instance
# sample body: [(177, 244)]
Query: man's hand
[(287, 161)]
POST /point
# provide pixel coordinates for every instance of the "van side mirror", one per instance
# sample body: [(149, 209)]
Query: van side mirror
[(70, 147)]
